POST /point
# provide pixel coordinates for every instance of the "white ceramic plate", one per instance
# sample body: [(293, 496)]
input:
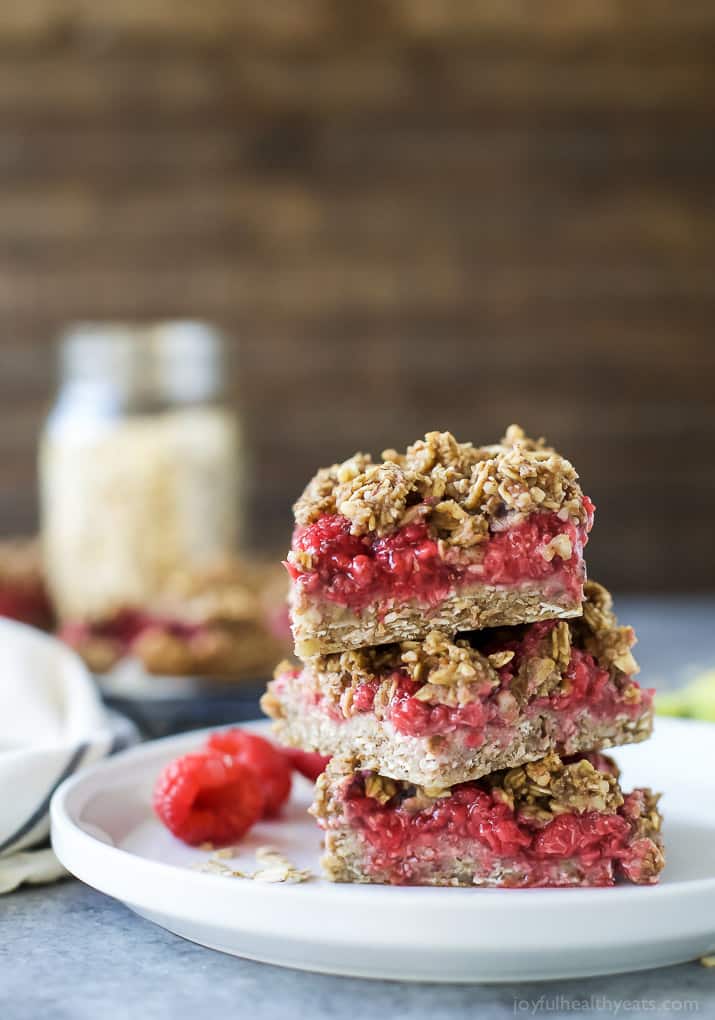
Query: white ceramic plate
[(104, 832)]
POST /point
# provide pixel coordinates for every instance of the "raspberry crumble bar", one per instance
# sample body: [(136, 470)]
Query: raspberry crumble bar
[(441, 711), (445, 536), (551, 822)]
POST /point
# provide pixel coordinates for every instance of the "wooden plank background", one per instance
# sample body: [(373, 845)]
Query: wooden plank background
[(408, 214)]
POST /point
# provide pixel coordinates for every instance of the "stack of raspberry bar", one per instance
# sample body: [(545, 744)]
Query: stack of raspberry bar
[(462, 674)]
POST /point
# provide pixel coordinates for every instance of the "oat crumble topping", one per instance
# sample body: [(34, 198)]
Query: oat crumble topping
[(456, 487), (539, 791), (549, 787), (609, 644)]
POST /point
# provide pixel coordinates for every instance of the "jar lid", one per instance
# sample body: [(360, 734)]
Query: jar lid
[(180, 361)]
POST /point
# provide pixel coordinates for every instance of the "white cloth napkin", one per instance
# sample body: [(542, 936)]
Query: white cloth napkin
[(52, 722)]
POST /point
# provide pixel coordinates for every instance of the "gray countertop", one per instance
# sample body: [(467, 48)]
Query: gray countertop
[(67, 951)]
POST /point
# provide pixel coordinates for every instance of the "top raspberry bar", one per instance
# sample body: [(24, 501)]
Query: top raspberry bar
[(445, 536)]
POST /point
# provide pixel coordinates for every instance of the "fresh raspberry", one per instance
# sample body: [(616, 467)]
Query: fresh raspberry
[(269, 764), (208, 797), (309, 763)]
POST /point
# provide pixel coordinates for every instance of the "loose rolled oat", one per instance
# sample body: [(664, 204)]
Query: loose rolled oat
[(273, 867)]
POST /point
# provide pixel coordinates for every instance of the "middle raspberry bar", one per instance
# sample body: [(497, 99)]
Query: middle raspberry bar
[(439, 712)]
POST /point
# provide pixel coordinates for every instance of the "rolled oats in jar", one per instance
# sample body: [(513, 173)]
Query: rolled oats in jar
[(140, 464)]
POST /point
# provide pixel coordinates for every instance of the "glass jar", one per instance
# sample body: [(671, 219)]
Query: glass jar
[(140, 464)]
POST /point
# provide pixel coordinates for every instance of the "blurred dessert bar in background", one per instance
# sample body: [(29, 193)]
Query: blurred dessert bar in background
[(229, 621), (222, 622)]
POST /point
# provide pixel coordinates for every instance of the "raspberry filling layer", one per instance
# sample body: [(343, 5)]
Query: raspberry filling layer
[(403, 845), (589, 689), (358, 570)]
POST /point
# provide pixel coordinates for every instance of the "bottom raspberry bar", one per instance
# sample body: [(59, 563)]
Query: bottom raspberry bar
[(552, 822)]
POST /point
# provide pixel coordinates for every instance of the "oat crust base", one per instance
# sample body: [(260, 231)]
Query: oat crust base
[(328, 627), (342, 862)]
